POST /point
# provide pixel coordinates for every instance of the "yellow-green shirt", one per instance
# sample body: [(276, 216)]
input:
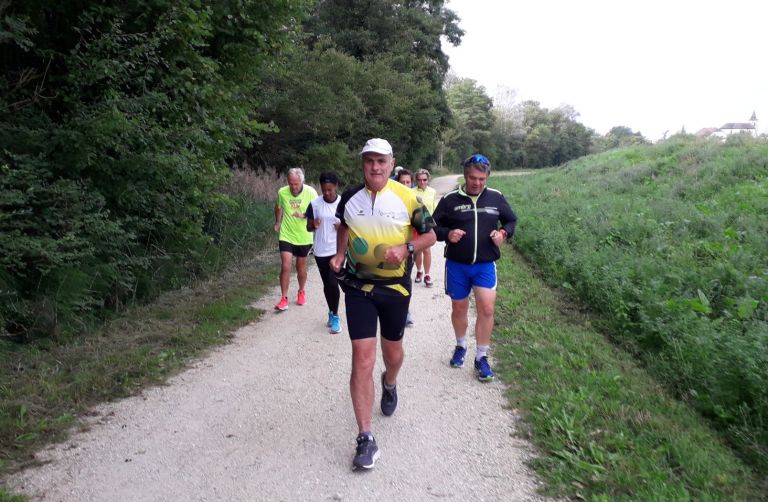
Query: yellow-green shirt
[(293, 229), (428, 197)]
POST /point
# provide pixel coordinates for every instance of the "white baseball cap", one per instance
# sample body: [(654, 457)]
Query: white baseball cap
[(377, 145)]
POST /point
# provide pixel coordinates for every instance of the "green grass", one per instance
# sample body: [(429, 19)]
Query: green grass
[(7, 497), (669, 243), (46, 385), (604, 428)]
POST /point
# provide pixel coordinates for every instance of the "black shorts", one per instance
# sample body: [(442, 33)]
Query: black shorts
[(300, 251), (365, 309)]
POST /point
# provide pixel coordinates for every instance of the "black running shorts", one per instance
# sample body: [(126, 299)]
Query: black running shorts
[(366, 310), (300, 251)]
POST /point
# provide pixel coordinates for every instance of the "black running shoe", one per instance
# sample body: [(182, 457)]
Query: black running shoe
[(388, 397), (366, 453)]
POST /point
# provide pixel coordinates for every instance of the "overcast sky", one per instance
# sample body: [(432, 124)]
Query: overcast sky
[(650, 65)]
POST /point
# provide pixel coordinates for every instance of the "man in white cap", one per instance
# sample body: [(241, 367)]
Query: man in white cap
[(374, 258)]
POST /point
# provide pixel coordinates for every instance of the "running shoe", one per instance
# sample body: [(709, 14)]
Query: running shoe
[(366, 452), (335, 325), (428, 281), (301, 299), (483, 370), (409, 320), (282, 304), (388, 397), (330, 319), (457, 361), (418, 277)]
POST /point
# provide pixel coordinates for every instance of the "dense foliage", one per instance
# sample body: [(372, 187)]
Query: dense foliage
[(366, 69), (115, 122), (670, 242)]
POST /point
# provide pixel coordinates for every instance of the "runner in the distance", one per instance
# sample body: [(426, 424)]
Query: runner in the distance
[(376, 238), (474, 221), (322, 220), (429, 198), (293, 238)]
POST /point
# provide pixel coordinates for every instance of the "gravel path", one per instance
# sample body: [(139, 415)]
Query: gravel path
[(269, 417)]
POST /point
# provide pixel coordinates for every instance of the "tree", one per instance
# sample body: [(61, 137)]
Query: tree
[(472, 119), (619, 137), (346, 102)]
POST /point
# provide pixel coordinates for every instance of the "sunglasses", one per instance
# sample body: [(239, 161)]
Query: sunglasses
[(421, 179), (477, 159)]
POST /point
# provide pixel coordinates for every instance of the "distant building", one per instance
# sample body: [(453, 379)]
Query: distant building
[(737, 128), (731, 128)]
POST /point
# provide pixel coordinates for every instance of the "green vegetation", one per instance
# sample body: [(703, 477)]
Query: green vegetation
[(6, 497), (115, 122), (605, 430), (668, 243), (120, 121)]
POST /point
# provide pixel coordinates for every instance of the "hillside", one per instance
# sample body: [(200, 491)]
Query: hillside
[(669, 244)]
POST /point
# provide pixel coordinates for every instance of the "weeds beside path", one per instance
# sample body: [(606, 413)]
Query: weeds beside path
[(604, 428)]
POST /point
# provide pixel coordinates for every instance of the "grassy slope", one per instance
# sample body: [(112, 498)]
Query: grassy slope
[(668, 244), (604, 428)]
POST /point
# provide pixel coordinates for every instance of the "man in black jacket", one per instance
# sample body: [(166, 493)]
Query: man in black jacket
[(473, 220)]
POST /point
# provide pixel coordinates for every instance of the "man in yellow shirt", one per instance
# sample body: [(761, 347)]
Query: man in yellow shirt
[(374, 255), (293, 239)]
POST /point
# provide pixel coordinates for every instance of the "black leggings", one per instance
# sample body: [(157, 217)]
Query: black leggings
[(330, 284)]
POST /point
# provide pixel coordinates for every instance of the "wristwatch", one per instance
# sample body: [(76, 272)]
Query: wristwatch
[(409, 247)]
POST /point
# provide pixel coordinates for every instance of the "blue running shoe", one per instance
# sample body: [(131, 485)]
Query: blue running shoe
[(457, 361), (483, 370), (335, 324), (366, 452), (330, 319)]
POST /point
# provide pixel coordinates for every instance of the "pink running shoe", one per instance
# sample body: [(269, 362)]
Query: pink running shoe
[(428, 281), (282, 304), (418, 277), (302, 298)]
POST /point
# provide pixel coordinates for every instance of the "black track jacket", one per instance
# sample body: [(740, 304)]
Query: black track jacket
[(456, 210)]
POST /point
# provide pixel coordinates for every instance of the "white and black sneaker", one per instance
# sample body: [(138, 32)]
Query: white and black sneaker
[(366, 453)]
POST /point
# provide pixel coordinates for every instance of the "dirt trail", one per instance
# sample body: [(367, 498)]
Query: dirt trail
[(268, 417)]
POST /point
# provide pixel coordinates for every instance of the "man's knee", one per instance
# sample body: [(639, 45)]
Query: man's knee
[(485, 310), (460, 307), (363, 356)]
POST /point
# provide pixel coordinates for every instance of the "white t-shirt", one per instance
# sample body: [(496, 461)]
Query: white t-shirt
[(325, 235)]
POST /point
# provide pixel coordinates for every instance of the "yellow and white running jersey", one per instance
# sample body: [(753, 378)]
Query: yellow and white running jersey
[(378, 222)]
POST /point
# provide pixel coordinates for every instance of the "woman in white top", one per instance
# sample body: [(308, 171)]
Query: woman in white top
[(322, 221)]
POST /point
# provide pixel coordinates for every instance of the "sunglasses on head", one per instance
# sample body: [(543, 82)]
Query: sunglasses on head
[(477, 159)]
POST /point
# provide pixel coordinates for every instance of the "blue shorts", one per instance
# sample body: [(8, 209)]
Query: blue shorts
[(460, 278)]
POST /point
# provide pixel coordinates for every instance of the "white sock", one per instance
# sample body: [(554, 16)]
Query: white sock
[(462, 342), (482, 351)]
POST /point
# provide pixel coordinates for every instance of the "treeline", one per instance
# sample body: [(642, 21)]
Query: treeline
[(121, 121), (514, 135)]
